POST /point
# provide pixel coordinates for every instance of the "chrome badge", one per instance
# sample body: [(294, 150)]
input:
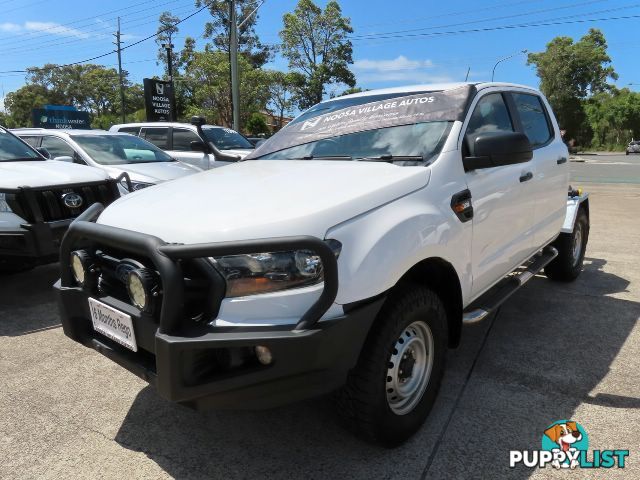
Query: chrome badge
[(72, 200)]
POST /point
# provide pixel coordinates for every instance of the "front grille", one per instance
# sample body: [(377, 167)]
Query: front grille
[(49, 204)]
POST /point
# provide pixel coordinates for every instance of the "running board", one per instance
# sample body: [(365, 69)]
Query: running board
[(495, 296)]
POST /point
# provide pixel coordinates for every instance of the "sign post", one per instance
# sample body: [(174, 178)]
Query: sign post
[(159, 100)]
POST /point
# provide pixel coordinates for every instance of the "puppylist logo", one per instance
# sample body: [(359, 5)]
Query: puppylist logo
[(565, 444)]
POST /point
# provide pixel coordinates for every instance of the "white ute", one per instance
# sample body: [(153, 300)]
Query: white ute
[(38, 200), (345, 253)]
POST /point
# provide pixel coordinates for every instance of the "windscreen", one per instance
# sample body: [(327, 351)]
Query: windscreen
[(120, 149), (14, 150), (412, 125), (226, 138)]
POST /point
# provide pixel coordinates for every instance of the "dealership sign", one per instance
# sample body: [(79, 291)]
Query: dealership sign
[(158, 100), (59, 116)]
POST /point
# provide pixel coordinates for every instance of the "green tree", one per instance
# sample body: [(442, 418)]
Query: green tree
[(256, 124), (614, 118), (208, 77), (570, 72), (217, 29), (283, 91), (316, 43), (21, 102), (167, 29)]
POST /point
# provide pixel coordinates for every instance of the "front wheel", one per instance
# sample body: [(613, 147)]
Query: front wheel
[(571, 249), (390, 392)]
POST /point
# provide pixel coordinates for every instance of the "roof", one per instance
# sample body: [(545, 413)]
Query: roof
[(159, 124), (60, 131), (431, 87)]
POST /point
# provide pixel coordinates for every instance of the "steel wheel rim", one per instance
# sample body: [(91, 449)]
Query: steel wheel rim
[(577, 244), (409, 368)]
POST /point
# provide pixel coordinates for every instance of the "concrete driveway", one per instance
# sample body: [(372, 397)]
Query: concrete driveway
[(554, 351)]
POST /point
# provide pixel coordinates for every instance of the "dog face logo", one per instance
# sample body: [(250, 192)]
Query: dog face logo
[(567, 437), (160, 88)]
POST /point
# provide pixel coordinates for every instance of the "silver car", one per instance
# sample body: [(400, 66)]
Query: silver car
[(633, 147), (116, 153)]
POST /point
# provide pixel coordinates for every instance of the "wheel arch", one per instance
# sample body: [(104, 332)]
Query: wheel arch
[(441, 277)]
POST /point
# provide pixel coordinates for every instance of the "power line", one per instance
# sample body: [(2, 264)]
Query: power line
[(206, 5)]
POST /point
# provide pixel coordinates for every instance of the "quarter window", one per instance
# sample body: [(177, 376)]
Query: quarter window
[(182, 139), (130, 130), (490, 115), (157, 136), (533, 118)]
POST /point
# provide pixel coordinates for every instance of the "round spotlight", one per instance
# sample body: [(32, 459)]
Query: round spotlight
[(81, 267), (264, 354), (142, 285)]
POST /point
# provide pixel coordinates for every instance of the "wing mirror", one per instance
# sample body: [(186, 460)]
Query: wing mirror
[(198, 146), (44, 152), (64, 158), (494, 149)]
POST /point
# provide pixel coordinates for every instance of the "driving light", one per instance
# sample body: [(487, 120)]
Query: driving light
[(82, 267), (264, 355), (267, 272), (142, 285)]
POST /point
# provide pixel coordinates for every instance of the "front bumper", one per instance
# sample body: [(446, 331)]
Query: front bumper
[(204, 366), (33, 242)]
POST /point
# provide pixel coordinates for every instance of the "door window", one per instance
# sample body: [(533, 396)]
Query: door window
[(533, 118), (490, 115), (182, 139), (157, 136), (131, 130), (57, 147)]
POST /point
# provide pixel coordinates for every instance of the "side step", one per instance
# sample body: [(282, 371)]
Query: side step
[(496, 295)]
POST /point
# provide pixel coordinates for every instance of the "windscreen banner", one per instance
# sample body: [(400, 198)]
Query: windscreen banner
[(447, 105)]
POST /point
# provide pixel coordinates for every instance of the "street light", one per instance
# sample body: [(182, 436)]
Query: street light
[(493, 73)]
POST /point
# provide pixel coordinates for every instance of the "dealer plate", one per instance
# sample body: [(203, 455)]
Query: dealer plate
[(113, 324)]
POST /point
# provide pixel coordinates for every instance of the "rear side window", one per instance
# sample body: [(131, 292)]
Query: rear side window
[(33, 141), (131, 130), (490, 115), (57, 147), (157, 136), (182, 139), (533, 118)]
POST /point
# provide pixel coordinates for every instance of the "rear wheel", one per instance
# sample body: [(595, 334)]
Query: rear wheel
[(390, 392), (571, 249)]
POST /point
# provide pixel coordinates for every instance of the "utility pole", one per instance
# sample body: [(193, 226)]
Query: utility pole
[(118, 45), (169, 48), (233, 57)]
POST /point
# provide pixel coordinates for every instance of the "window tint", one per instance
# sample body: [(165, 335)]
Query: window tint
[(131, 130), (490, 115), (157, 136), (57, 147), (182, 139), (33, 141), (533, 118)]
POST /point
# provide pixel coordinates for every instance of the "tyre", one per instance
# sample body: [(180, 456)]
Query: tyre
[(571, 249), (390, 392)]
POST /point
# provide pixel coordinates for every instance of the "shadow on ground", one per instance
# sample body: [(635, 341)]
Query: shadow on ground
[(21, 313), (549, 347)]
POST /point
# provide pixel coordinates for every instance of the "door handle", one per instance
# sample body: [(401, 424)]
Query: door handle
[(526, 177), (561, 160)]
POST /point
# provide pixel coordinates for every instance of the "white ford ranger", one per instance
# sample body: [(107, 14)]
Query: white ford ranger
[(345, 253), (38, 200)]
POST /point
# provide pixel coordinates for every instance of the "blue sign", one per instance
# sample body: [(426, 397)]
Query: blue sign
[(44, 118)]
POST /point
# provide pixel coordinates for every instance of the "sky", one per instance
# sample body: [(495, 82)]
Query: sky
[(394, 42)]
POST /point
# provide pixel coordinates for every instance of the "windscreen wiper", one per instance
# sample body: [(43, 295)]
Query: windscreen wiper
[(326, 157), (391, 158)]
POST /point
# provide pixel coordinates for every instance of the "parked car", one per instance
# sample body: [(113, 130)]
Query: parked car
[(344, 253), (633, 147), (115, 153), (38, 200), (205, 146)]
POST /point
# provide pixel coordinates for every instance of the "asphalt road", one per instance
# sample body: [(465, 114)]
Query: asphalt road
[(609, 168), (554, 351)]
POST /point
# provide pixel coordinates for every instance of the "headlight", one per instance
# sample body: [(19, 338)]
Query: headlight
[(143, 286), (135, 185), (4, 206), (272, 271)]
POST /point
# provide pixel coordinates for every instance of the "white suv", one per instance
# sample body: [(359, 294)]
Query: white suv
[(346, 252), (116, 153), (38, 200), (205, 146)]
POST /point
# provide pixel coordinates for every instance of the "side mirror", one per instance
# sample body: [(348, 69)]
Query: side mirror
[(64, 158), (494, 149), (198, 146), (44, 152)]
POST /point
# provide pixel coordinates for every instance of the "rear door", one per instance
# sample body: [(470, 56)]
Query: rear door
[(503, 217), (551, 164)]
